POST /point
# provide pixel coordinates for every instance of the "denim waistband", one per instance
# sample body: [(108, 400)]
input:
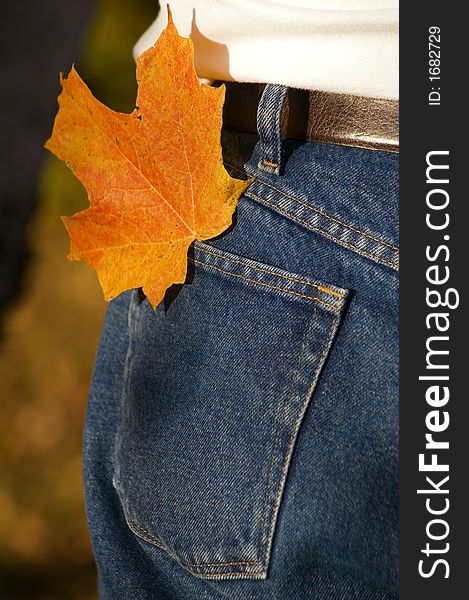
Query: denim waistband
[(349, 195)]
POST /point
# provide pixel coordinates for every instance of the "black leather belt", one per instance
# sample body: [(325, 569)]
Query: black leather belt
[(324, 117)]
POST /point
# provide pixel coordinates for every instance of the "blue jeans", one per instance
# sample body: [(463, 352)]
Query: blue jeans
[(241, 440)]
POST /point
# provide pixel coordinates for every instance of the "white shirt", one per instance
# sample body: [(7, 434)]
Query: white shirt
[(345, 46)]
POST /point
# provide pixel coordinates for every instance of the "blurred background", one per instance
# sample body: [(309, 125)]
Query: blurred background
[(51, 310)]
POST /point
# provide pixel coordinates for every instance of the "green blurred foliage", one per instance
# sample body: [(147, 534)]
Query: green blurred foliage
[(47, 355), (108, 62), (108, 68)]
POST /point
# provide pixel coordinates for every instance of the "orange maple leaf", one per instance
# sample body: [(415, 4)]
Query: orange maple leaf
[(155, 177)]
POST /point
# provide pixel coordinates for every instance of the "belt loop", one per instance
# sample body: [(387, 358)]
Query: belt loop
[(269, 125)]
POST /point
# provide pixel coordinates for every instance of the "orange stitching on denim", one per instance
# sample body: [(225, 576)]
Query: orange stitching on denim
[(327, 290), (325, 214), (321, 288), (144, 533), (152, 538), (208, 265), (267, 163), (374, 257), (241, 562), (239, 574)]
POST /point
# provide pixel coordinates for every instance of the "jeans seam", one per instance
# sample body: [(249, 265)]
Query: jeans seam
[(128, 360), (321, 288), (328, 216), (239, 575), (360, 251), (279, 289), (158, 542), (152, 539)]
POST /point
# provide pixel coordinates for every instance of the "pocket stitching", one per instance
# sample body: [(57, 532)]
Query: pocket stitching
[(321, 288), (154, 539), (286, 291)]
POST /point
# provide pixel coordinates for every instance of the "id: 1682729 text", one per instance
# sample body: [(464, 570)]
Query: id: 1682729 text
[(434, 68)]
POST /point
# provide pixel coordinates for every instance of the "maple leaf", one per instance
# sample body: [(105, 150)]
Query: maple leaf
[(155, 177)]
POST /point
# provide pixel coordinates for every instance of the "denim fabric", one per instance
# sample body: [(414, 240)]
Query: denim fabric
[(241, 439)]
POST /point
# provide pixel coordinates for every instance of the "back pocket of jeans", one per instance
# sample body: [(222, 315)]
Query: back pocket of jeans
[(218, 381)]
